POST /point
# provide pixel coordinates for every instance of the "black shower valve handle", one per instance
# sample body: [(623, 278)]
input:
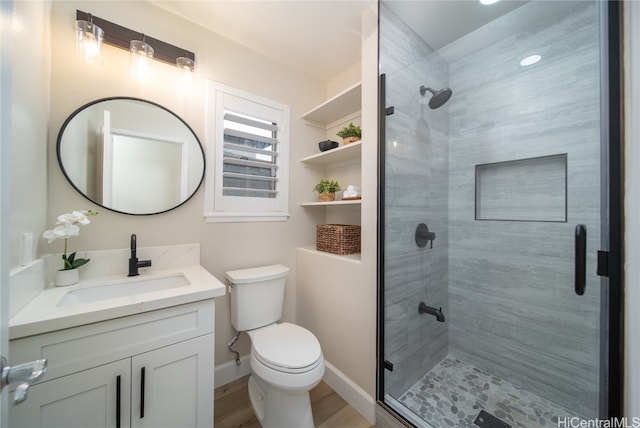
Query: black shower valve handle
[(423, 236)]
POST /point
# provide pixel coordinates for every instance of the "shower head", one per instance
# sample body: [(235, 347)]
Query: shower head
[(439, 97)]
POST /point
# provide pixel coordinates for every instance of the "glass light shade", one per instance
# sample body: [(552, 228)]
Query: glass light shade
[(141, 58), (89, 41), (186, 64)]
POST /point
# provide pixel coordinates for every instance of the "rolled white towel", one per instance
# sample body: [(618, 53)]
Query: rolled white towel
[(351, 192)]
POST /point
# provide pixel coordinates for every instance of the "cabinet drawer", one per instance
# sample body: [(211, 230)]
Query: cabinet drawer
[(79, 348)]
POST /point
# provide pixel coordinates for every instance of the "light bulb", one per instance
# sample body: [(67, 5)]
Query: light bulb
[(140, 60)]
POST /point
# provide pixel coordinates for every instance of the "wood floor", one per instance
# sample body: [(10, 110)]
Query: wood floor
[(233, 409)]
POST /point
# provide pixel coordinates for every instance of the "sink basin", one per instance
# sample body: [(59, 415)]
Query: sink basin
[(122, 288)]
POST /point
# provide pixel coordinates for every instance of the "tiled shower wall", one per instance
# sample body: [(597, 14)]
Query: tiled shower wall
[(513, 309), (506, 286), (415, 192)]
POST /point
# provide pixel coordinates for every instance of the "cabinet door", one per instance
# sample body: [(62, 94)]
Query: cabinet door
[(88, 399), (173, 386)]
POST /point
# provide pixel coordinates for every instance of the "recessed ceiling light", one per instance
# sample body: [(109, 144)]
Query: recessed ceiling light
[(530, 60), (488, 2)]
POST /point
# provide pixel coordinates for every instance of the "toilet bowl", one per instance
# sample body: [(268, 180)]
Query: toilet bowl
[(286, 359), (286, 362)]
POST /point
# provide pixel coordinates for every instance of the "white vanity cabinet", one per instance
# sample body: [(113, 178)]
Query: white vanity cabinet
[(154, 369)]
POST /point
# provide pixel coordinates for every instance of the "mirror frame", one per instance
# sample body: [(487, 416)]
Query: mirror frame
[(89, 104)]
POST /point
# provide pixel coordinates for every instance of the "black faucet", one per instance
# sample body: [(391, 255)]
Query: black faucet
[(134, 263), (424, 309)]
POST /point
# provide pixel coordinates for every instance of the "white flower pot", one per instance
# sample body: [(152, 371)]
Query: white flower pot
[(66, 277)]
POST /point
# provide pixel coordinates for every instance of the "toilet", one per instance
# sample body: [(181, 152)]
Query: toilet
[(286, 359)]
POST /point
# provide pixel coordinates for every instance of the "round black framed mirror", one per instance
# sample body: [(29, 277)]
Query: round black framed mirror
[(130, 155)]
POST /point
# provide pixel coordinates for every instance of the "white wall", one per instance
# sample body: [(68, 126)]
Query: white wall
[(224, 246), (29, 123), (367, 299), (337, 295), (632, 209), (6, 14)]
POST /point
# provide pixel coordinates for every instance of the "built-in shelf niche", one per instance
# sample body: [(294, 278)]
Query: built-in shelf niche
[(342, 163), (533, 189)]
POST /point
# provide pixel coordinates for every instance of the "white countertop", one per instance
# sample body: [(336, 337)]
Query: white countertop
[(43, 314)]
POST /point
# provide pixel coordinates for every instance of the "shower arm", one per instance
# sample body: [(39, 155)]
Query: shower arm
[(424, 89)]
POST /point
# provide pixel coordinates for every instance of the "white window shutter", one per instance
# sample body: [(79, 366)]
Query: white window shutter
[(247, 156)]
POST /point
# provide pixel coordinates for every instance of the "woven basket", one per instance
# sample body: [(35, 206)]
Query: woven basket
[(327, 197), (350, 140), (339, 239)]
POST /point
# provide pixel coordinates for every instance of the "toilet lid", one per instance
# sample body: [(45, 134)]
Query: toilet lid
[(286, 346)]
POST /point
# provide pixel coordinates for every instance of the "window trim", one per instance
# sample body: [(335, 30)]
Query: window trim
[(220, 208)]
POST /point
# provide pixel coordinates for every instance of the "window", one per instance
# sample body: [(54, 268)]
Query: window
[(248, 157)]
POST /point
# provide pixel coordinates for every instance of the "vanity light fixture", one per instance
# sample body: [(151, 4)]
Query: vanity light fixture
[(88, 40), (122, 37)]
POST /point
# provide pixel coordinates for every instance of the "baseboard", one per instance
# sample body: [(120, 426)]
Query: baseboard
[(357, 397), (228, 372)]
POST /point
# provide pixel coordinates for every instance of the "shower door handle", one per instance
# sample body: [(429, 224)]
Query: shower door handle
[(581, 259)]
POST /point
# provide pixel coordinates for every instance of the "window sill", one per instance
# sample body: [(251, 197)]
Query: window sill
[(228, 217)]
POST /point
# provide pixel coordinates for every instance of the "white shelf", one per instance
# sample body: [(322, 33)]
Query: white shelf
[(343, 104), (351, 151), (325, 204), (353, 258)]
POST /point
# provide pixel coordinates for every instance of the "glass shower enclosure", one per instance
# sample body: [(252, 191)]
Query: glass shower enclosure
[(492, 312)]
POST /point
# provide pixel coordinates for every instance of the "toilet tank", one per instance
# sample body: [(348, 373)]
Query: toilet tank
[(256, 296)]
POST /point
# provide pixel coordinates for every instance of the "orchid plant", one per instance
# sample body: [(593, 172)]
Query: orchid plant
[(66, 227)]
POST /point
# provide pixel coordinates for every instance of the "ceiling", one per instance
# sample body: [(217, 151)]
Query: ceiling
[(322, 37), (440, 22)]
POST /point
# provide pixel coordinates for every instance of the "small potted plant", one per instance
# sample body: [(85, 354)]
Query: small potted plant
[(66, 227), (327, 190), (350, 133)]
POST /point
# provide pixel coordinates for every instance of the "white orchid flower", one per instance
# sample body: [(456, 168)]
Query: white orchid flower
[(67, 226), (64, 231), (49, 236), (75, 217)]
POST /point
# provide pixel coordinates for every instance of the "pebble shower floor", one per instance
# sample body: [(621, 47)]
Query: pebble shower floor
[(454, 392)]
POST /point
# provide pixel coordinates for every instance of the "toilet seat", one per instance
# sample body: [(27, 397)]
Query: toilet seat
[(286, 347)]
